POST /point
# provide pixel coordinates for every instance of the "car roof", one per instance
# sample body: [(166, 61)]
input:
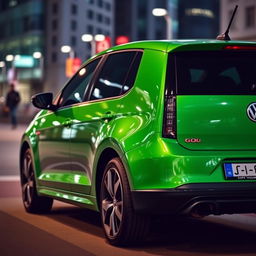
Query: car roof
[(177, 45)]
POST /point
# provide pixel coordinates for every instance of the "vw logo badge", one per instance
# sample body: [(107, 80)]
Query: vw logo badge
[(251, 111)]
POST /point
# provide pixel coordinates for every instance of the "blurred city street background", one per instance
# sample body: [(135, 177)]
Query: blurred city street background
[(42, 44)]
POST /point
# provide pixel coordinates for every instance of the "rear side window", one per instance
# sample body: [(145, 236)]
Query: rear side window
[(209, 73), (117, 75)]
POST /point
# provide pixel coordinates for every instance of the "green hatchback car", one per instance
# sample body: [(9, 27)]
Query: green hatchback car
[(148, 128)]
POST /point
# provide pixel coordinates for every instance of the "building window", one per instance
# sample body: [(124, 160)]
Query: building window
[(90, 29), (99, 17), (55, 8), (73, 40), (54, 24), (33, 22), (107, 20), (100, 3), (73, 25), (90, 14), (54, 56), (99, 31), (54, 41), (250, 16), (73, 9), (108, 6)]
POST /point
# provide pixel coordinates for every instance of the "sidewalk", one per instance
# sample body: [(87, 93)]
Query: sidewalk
[(9, 134), (22, 119), (9, 150)]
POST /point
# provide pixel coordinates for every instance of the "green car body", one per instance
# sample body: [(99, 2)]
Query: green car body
[(174, 161)]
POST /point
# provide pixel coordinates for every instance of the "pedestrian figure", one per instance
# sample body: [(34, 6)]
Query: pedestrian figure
[(12, 101)]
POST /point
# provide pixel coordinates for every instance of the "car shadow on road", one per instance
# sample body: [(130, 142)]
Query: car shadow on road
[(199, 237), (167, 236), (79, 218)]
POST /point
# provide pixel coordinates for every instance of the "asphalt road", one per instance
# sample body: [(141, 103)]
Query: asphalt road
[(69, 230)]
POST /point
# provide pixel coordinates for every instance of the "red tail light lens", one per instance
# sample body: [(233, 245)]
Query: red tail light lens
[(169, 128), (240, 47)]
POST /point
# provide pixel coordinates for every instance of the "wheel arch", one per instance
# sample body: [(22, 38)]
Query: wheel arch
[(25, 145), (107, 151)]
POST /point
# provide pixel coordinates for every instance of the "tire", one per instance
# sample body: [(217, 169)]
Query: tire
[(122, 226), (31, 201)]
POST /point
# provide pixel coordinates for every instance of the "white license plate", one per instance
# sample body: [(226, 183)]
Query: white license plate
[(240, 170)]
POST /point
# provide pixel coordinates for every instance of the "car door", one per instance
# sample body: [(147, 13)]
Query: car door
[(101, 108), (55, 131)]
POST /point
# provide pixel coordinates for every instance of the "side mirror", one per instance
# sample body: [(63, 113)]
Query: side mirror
[(43, 101)]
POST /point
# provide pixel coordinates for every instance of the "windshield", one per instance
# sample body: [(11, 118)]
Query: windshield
[(215, 73)]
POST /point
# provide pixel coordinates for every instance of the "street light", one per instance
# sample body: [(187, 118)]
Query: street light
[(2, 64), (87, 37), (11, 74), (68, 49), (3, 67), (9, 57), (37, 55), (92, 39), (164, 13)]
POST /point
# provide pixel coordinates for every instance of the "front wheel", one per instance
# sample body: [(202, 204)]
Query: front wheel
[(122, 226), (31, 201)]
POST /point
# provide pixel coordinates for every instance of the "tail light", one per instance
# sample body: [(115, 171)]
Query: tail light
[(169, 122)]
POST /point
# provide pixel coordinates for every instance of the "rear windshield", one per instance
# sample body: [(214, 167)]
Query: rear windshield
[(215, 73)]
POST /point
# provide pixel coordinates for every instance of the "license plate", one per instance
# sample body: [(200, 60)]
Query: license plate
[(240, 171)]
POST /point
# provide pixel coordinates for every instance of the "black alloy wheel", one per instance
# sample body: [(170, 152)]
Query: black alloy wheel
[(122, 226), (31, 201)]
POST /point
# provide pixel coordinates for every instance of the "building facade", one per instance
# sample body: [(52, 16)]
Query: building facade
[(43, 27), (22, 34), (197, 19), (190, 19), (244, 23), (67, 21), (134, 19)]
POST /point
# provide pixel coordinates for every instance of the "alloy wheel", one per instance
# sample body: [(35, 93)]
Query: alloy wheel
[(27, 180), (112, 202)]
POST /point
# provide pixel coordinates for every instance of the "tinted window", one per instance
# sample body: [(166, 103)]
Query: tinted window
[(132, 72), (216, 73), (114, 75), (74, 92)]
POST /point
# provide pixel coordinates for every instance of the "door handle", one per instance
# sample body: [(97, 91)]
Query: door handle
[(67, 123), (108, 116)]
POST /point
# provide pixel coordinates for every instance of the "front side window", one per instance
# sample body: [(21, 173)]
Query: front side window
[(112, 79), (73, 93)]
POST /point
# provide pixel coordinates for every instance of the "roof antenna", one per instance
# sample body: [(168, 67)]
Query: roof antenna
[(225, 36)]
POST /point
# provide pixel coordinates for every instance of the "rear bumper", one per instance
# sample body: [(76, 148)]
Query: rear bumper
[(198, 199)]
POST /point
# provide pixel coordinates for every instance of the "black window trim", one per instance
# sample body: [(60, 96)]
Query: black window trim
[(90, 87)]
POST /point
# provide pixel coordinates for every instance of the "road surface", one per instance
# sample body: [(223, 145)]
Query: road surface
[(69, 230)]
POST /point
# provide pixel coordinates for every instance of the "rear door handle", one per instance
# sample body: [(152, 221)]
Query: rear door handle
[(67, 123), (108, 115)]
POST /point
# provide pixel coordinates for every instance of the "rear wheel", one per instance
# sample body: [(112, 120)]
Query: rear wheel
[(31, 201), (122, 226)]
